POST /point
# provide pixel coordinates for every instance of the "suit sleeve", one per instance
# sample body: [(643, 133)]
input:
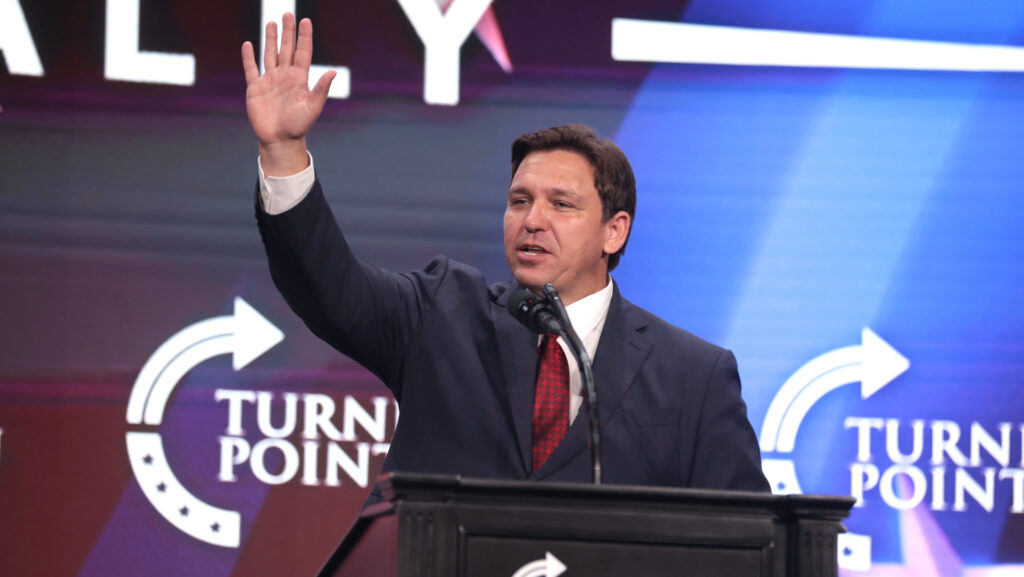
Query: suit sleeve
[(364, 312), (727, 454)]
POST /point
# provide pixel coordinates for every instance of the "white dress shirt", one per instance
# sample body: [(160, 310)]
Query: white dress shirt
[(280, 193), (587, 316)]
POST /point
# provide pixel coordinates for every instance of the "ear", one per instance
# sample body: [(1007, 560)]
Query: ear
[(616, 230)]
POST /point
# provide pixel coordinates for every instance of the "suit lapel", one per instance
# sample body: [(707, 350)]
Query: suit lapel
[(620, 354), (517, 348)]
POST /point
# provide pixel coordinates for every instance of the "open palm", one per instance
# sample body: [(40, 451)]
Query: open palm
[(280, 105)]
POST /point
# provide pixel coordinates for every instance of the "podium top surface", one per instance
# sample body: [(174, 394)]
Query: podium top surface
[(396, 487)]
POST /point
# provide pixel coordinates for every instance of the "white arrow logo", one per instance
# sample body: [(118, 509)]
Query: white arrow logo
[(245, 335), (549, 566), (874, 364)]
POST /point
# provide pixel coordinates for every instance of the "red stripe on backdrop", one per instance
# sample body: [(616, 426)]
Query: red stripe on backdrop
[(62, 472), (298, 528)]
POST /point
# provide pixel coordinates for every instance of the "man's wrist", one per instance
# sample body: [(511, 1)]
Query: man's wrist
[(284, 158), (279, 194)]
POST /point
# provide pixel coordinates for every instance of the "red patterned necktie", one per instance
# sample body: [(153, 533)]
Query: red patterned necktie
[(550, 400)]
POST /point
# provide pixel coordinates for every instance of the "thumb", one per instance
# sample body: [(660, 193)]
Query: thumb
[(323, 85)]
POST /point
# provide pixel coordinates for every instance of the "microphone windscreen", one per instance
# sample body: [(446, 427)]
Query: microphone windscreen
[(521, 305)]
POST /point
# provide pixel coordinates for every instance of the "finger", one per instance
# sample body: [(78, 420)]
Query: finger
[(323, 86), (270, 47), (287, 39), (252, 72), (304, 47)]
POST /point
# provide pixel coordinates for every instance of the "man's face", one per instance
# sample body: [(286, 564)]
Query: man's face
[(553, 228)]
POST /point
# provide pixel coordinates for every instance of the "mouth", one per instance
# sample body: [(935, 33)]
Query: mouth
[(531, 250)]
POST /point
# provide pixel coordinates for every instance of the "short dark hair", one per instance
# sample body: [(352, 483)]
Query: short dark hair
[(613, 176)]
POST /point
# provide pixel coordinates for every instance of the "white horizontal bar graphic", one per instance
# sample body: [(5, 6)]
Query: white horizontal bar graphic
[(652, 41)]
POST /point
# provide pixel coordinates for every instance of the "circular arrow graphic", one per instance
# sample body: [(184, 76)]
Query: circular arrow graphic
[(874, 364), (245, 335), (549, 566)]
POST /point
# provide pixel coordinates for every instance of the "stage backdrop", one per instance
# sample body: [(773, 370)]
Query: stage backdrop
[(830, 189)]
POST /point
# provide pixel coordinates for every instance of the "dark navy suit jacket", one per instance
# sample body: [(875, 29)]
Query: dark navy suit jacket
[(463, 370)]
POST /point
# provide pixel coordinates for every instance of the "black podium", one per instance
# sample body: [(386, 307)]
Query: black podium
[(444, 526)]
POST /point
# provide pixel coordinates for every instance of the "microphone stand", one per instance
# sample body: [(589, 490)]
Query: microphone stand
[(586, 371)]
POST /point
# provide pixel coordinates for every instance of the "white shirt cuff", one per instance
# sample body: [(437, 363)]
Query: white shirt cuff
[(281, 193)]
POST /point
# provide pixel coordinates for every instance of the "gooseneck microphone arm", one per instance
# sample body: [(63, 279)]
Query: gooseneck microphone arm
[(586, 371), (547, 315)]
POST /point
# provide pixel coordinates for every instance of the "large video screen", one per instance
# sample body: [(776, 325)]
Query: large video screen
[(830, 189)]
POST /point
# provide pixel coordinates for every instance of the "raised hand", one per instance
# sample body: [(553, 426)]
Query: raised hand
[(280, 104)]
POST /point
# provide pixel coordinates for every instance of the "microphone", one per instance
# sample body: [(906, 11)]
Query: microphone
[(534, 312), (547, 315)]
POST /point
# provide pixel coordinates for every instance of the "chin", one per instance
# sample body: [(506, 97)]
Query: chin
[(532, 282)]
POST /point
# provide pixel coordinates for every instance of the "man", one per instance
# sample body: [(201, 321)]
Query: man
[(478, 398)]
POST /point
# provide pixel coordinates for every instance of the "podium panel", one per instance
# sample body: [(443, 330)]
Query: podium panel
[(448, 526), (496, 557)]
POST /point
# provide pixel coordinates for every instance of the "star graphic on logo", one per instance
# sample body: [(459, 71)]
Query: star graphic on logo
[(184, 511), (148, 459)]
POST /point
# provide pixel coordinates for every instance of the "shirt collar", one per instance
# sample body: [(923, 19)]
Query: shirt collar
[(590, 311)]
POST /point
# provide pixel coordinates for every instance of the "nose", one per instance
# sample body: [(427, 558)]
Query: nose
[(536, 218)]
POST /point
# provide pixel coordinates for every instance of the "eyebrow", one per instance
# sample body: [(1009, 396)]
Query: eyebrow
[(559, 193), (562, 193)]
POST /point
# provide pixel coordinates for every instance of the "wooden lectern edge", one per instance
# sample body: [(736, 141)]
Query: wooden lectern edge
[(398, 486)]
